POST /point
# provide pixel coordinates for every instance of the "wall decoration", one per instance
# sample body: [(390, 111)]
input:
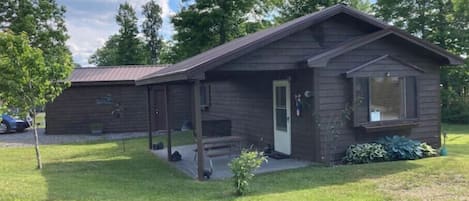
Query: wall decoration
[(298, 104), (104, 100)]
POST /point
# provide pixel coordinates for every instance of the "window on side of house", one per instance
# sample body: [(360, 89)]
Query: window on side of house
[(384, 99), (204, 95)]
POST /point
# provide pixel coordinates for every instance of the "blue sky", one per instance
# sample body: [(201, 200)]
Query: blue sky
[(91, 22)]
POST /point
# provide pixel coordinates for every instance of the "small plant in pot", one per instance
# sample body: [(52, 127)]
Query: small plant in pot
[(443, 151), (96, 128)]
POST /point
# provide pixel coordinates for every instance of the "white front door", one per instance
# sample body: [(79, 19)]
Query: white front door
[(282, 131)]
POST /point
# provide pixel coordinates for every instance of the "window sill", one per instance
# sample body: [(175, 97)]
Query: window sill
[(393, 125)]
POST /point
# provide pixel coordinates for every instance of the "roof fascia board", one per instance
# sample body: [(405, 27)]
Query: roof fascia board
[(162, 79)]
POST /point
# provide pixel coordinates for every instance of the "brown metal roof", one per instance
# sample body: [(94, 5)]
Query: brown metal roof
[(194, 67), (112, 73)]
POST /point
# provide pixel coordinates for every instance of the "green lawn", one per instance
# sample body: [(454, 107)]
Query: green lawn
[(102, 171)]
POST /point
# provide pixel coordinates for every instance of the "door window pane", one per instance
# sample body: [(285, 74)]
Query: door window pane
[(281, 115), (281, 100), (385, 98), (281, 108)]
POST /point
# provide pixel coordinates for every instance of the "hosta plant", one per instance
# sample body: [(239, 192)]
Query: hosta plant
[(401, 148), (365, 153), (427, 150)]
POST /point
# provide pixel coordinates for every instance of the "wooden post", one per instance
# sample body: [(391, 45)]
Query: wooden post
[(198, 130), (150, 120), (168, 124)]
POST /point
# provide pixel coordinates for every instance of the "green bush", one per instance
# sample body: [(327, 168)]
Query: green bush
[(427, 150), (401, 148), (243, 168), (365, 153)]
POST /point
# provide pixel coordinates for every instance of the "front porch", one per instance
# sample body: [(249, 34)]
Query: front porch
[(221, 169)]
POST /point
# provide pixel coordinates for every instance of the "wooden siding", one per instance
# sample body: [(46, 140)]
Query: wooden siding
[(180, 105), (246, 100), (384, 66), (334, 93), (285, 54), (76, 108)]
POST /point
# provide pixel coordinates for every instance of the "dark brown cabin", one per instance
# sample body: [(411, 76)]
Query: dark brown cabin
[(315, 85), (108, 96)]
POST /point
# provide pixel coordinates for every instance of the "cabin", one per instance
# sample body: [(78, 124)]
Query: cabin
[(315, 85), (107, 99)]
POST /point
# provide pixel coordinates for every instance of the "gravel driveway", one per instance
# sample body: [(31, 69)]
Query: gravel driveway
[(27, 138)]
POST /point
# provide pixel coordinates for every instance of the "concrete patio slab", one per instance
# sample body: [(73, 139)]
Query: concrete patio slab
[(221, 169)]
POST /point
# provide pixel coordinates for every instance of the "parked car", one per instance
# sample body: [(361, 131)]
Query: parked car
[(11, 124)]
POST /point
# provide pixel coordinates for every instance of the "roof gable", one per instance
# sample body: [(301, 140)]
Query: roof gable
[(384, 64), (322, 59), (192, 67), (196, 66)]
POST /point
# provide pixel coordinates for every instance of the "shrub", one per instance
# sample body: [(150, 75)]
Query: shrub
[(401, 148), (365, 153), (427, 150), (243, 167)]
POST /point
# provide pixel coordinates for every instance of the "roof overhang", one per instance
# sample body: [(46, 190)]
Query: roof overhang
[(322, 59), (102, 83)]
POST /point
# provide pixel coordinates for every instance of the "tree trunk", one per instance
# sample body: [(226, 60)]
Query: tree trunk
[(36, 139)]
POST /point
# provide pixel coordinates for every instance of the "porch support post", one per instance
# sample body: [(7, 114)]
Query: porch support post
[(150, 120), (198, 130), (168, 124)]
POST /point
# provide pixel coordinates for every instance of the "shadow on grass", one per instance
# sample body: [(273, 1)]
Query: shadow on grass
[(104, 172)]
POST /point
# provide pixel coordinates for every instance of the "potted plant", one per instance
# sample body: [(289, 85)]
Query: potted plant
[(96, 128), (443, 151)]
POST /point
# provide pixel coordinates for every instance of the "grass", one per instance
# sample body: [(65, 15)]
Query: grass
[(102, 171)]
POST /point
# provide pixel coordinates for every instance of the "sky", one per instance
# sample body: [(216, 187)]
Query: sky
[(91, 22)]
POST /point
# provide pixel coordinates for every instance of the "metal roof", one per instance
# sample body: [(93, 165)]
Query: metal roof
[(112, 73)]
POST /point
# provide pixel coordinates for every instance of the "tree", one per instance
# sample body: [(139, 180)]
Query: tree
[(128, 46), (291, 9), (43, 22), (150, 28), (124, 48), (27, 81), (108, 54), (208, 23)]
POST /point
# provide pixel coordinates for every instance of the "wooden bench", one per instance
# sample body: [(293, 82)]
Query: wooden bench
[(220, 146)]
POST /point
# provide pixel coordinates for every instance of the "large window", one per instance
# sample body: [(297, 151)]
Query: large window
[(384, 98)]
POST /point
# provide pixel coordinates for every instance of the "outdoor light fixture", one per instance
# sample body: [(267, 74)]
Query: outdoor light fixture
[(388, 74), (308, 94)]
